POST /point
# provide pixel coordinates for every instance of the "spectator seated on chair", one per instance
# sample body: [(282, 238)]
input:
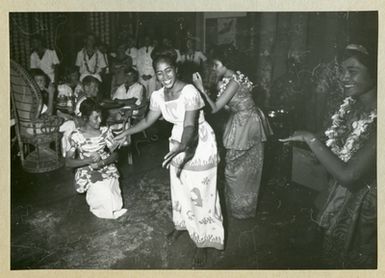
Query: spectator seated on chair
[(37, 131), (47, 90), (131, 93)]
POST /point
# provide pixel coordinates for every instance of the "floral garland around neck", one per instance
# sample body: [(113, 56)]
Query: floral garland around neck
[(86, 62), (339, 127), (239, 77)]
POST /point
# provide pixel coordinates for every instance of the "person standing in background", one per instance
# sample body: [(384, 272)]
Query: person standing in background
[(144, 66), (43, 58), (131, 50), (90, 60)]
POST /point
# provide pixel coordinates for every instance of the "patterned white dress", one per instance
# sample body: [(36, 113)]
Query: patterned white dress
[(102, 185), (195, 199)]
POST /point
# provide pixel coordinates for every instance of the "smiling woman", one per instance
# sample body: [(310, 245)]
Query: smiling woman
[(192, 159), (96, 173), (349, 216)]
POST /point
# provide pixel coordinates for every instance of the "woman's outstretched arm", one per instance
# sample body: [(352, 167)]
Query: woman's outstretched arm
[(146, 122), (222, 100), (347, 173), (188, 142)]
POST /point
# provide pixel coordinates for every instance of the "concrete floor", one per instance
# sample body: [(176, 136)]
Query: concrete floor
[(53, 229)]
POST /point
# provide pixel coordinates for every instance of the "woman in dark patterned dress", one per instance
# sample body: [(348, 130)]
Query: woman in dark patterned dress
[(246, 131)]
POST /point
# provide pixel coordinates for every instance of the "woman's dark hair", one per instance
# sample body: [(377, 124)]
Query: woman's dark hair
[(227, 54), (87, 107), (89, 79), (364, 55), (166, 54)]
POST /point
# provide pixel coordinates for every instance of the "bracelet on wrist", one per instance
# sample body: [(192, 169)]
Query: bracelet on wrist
[(312, 140)]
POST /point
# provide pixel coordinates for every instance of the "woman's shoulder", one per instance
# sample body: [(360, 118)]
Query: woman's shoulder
[(189, 88), (190, 93), (77, 135), (157, 94), (241, 79)]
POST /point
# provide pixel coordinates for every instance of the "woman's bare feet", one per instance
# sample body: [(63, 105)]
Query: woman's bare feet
[(173, 235), (200, 257)]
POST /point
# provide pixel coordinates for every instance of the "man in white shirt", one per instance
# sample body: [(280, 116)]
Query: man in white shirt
[(43, 58), (131, 50), (144, 66), (131, 92), (90, 60)]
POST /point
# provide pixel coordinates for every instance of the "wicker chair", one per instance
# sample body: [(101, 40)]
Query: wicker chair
[(38, 136)]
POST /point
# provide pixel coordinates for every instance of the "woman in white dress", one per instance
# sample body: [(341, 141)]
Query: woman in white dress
[(192, 159)]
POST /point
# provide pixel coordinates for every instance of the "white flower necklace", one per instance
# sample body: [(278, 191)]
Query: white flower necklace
[(239, 77), (86, 62), (339, 127)]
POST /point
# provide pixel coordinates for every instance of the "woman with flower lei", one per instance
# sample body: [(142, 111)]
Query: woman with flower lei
[(349, 216), (245, 133)]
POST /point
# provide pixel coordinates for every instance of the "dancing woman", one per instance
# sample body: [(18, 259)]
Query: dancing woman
[(349, 216), (246, 131)]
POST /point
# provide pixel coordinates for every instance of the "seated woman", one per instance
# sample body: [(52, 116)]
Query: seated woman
[(349, 216), (96, 173), (48, 93)]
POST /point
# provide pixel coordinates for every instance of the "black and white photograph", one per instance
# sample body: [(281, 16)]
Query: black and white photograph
[(193, 140)]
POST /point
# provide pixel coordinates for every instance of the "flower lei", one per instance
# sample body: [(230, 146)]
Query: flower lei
[(86, 62), (240, 77), (345, 150)]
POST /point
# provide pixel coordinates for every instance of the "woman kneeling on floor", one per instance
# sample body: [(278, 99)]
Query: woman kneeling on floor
[(96, 172)]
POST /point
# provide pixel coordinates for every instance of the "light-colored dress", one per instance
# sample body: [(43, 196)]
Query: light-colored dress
[(102, 185), (195, 199), (245, 133)]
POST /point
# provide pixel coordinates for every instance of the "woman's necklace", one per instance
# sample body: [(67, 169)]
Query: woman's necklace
[(85, 54), (345, 149)]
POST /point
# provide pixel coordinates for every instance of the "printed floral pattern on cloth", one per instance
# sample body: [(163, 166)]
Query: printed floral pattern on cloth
[(86, 175)]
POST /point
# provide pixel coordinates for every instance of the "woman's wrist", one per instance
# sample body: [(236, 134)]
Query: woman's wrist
[(101, 163), (311, 139)]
